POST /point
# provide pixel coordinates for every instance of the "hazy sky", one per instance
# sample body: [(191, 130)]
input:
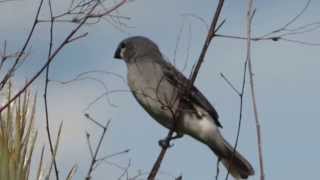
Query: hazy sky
[(286, 76)]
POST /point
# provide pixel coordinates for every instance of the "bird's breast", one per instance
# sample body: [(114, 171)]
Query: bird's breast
[(152, 92)]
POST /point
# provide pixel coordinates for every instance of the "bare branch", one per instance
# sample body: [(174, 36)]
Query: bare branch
[(271, 38), (203, 21), (294, 19), (89, 144), (84, 76), (58, 49), (94, 159), (22, 51), (45, 95), (218, 169), (210, 36), (283, 32), (301, 42), (249, 18), (55, 150), (125, 172), (230, 84), (72, 172), (177, 43), (240, 94), (114, 154), (78, 37), (93, 120), (176, 116)]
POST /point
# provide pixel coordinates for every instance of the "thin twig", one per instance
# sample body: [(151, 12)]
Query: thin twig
[(94, 159), (89, 144), (56, 147), (22, 51), (294, 19), (230, 84), (113, 155), (249, 18), (78, 37), (218, 169), (210, 36), (188, 48), (125, 171), (45, 97), (178, 43), (57, 50), (72, 172), (271, 38), (240, 94), (93, 120)]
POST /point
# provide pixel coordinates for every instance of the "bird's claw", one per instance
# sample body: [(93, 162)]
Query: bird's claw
[(164, 143)]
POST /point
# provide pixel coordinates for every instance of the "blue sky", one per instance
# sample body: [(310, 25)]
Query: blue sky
[(286, 75)]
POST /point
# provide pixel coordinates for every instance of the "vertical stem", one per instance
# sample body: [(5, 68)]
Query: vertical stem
[(53, 154), (249, 17)]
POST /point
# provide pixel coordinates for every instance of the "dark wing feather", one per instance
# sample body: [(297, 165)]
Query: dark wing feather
[(176, 78)]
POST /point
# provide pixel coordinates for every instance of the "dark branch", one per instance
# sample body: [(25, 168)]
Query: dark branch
[(176, 115)]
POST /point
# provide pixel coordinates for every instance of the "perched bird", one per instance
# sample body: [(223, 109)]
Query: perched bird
[(160, 89)]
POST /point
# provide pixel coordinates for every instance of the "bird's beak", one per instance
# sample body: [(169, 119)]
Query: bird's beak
[(117, 54)]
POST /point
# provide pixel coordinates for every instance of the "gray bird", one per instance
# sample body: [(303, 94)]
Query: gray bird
[(160, 89)]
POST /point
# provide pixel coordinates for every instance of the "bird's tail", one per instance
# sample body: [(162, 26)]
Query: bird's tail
[(236, 164)]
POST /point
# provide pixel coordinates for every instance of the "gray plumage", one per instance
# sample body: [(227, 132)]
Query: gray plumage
[(157, 85)]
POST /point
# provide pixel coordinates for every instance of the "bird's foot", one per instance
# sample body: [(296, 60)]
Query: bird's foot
[(164, 143)]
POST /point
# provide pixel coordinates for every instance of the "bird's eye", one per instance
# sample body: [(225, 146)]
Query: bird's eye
[(122, 45)]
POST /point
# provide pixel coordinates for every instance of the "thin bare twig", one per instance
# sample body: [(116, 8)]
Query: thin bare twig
[(282, 33), (22, 51), (94, 158), (113, 155), (230, 84), (300, 42), (271, 38), (89, 144), (249, 17), (45, 97), (188, 48), (177, 43), (210, 36), (202, 20), (294, 19), (55, 150), (85, 76), (125, 171), (4, 56), (58, 49), (78, 37), (241, 95), (72, 172), (218, 169), (87, 115), (48, 124)]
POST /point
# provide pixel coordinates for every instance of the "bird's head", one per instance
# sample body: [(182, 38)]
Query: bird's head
[(135, 47)]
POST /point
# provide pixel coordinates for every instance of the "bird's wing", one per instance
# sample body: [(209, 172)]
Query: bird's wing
[(178, 80)]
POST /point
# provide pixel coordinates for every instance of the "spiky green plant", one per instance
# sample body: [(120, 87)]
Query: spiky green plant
[(17, 137)]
